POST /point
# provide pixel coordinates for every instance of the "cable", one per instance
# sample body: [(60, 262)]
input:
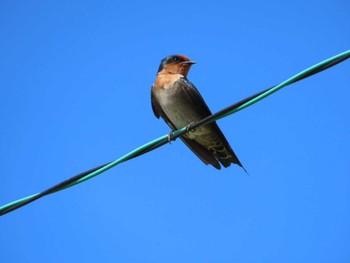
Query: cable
[(150, 146)]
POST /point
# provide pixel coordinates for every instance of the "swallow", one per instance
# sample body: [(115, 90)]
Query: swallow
[(178, 102)]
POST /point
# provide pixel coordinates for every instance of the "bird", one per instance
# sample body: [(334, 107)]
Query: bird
[(178, 102)]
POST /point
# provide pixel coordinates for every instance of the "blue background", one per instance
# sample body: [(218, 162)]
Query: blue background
[(75, 80)]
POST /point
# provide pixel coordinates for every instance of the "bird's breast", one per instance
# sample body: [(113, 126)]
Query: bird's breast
[(179, 108)]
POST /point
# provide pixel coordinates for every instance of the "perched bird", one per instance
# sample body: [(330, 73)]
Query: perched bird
[(178, 102)]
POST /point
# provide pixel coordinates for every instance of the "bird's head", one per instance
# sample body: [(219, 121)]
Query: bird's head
[(176, 64)]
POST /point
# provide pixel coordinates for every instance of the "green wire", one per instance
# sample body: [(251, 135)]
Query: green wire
[(164, 139), (122, 159), (288, 82)]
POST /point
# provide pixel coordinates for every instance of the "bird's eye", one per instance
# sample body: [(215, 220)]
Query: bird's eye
[(176, 59)]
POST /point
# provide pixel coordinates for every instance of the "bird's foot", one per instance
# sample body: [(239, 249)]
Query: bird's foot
[(170, 136), (189, 127)]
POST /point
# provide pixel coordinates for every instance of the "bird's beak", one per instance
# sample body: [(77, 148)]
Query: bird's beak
[(191, 62)]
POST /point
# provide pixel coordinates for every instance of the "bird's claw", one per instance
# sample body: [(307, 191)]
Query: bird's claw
[(189, 127), (170, 136)]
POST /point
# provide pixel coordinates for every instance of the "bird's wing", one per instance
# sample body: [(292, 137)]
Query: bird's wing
[(203, 109), (202, 153), (194, 96), (155, 105)]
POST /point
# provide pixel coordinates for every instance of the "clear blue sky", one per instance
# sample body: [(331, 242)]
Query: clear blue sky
[(75, 84)]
